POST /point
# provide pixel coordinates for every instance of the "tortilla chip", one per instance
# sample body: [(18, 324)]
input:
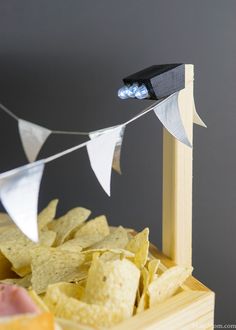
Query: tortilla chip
[(121, 252), (110, 256), (25, 282), (113, 284), (85, 241), (83, 272), (70, 308), (118, 239), (5, 220), (5, 268), (50, 265), (139, 245), (167, 284), (71, 245), (144, 281), (38, 301), (66, 226), (94, 227), (152, 268), (128, 230), (15, 246), (47, 214), (71, 290), (44, 321)]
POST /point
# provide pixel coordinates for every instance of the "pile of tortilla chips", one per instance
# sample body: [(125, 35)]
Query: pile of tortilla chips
[(85, 271)]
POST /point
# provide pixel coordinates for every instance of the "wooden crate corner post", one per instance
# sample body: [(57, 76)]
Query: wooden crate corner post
[(177, 183)]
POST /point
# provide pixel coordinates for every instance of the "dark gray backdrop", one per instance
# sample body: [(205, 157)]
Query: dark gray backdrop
[(61, 63)]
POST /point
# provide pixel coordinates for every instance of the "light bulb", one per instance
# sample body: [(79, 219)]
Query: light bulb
[(142, 92), (123, 92), (132, 90)]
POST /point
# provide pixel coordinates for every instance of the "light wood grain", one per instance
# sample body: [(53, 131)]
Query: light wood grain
[(177, 184), (70, 325), (186, 309)]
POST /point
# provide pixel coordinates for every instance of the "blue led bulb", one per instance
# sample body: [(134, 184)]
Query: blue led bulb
[(142, 92), (132, 90), (123, 92)]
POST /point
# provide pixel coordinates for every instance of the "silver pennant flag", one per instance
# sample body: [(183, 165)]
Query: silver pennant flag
[(19, 189), (32, 137), (101, 149), (117, 153), (168, 113), (196, 118)]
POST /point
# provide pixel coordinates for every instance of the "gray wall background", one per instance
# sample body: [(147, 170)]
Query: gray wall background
[(61, 63)]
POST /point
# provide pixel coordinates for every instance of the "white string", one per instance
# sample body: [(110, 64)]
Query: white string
[(12, 115), (84, 144), (144, 112), (67, 151), (148, 109), (9, 112), (70, 133)]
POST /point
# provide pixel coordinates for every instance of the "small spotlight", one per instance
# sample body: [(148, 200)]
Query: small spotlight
[(154, 82)]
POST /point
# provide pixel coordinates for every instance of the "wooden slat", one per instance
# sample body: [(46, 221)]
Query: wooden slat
[(175, 313), (205, 322), (177, 184), (71, 325)]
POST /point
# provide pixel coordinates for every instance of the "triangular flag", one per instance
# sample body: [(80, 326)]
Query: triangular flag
[(32, 137), (19, 189), (168, 113), (196, 118), (117, 153), (101, 149)]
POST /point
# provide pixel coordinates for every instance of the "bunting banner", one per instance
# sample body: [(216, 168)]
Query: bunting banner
[(169, 115), (32, 137), (19, 188), (101, 153), (117, 152), (196, 118)]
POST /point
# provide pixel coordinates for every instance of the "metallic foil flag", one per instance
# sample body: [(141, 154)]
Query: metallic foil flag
[(168, 113), (32, 137), (117, 153), (19, 189), (101, 149), (196, 118)]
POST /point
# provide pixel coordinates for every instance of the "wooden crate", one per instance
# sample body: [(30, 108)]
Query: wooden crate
[(193, 306)]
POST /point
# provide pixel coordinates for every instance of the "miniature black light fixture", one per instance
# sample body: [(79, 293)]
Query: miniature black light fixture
[(154, 82)]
